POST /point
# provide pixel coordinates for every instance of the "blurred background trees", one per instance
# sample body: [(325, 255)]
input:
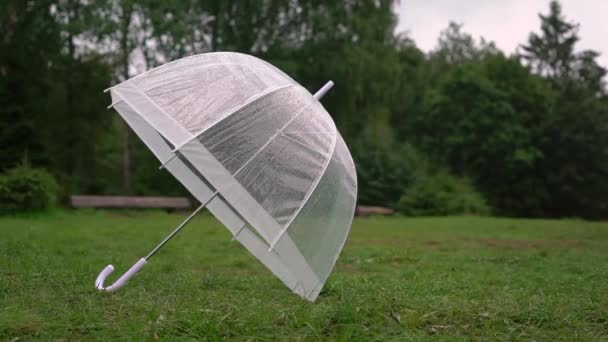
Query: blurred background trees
[(461, 129)]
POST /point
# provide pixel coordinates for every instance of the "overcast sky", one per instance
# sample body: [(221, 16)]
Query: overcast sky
[(506, 22)]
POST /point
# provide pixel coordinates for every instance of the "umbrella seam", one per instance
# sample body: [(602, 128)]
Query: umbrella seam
[(331, 156), (234, 110), (312, 189), (152, 103), (195, 56), (197, 69), (146, 119), (163, 66), (254, 71)]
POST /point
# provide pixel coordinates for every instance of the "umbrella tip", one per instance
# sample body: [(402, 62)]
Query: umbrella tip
[(321, 92)]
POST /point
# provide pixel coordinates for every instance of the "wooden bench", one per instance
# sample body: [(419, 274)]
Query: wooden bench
[(131, 202), (364, 211)]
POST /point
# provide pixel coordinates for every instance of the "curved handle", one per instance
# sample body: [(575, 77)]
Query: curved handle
[(122, 280)]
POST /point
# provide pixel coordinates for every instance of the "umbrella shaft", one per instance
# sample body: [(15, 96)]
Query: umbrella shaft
[(178, 228)]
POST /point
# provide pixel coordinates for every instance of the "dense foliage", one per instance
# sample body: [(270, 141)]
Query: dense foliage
[(24, 189), (529, 130), (384, 172), (442, 194), (483, 120)]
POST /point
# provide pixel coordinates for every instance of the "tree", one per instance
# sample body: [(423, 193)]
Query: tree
[(574, 132), (354, 45), (53, 109), (30, 46), (455, 46), (551, 53), (480, 122), (123, 28)]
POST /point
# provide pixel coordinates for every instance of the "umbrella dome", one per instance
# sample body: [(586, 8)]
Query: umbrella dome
[(258, 150)]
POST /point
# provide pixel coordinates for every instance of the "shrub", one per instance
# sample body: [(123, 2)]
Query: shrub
[(384, 172), (442, 194), (26, 189)]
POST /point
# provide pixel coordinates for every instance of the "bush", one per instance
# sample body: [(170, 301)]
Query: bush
[(442, 194), (384, 172), (25, 189)]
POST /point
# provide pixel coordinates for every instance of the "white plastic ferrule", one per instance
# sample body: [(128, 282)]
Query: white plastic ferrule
[(319, 94)]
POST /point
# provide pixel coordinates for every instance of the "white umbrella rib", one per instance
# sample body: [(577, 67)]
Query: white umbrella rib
[(310, 191), (232, 112)]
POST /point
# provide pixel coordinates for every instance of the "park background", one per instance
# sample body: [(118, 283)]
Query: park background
[(465, 130)]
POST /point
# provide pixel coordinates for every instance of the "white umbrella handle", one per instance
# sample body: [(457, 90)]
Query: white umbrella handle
[(122, 280), (138, 265)]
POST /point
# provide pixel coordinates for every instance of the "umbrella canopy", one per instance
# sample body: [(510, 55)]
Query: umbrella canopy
[(258, 150)]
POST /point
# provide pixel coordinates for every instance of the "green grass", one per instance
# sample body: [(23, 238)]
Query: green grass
[(401, 279)]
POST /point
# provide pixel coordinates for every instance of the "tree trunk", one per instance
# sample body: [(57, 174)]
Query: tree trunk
[(126, 159), (215, 28), (72, 139), (126, 133)]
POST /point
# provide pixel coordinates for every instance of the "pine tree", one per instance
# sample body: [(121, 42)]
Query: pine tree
[(551, 53)]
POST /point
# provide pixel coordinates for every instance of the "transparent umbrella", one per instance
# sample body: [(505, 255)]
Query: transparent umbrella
[(257, 150)]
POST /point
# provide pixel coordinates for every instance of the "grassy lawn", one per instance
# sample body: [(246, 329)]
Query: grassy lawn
[(415, 279)]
